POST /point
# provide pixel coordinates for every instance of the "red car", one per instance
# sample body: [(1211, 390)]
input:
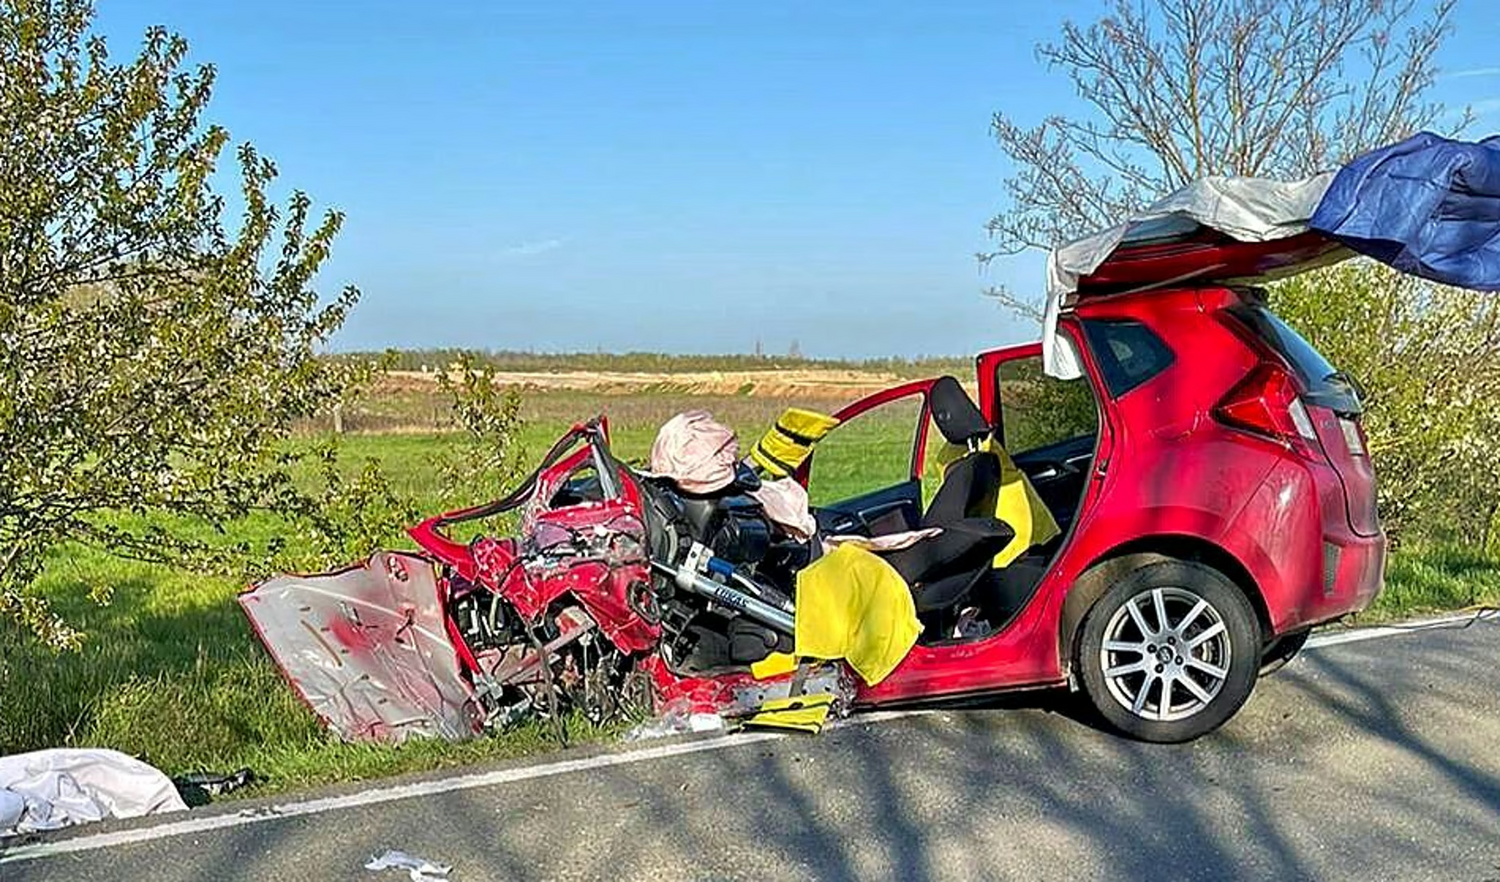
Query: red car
[(1220, 505), (1207, 473)]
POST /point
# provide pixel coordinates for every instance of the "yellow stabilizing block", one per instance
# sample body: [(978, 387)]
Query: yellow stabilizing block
[(801, 713), (774, 665), (788, 442)]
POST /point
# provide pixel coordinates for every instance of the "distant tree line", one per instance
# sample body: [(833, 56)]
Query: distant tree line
[(656, 362)]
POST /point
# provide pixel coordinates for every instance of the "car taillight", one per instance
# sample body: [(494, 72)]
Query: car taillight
[(1354, 436), (1266, 403)]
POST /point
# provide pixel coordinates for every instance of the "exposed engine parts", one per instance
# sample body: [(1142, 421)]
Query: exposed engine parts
[(708, 573)]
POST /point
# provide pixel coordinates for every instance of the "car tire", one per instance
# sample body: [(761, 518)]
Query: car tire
[(1282, 650), (1174, 680)]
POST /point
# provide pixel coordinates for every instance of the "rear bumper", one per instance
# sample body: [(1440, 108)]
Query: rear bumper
[(1354, 571)]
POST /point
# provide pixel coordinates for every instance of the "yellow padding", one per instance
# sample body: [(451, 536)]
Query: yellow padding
[(1016, 503), (789, 441), (801, 713), (774, 665)]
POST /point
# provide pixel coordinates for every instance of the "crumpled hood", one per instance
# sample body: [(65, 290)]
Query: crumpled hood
[(367, 648)]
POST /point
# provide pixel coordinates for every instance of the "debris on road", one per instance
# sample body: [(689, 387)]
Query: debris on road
[(419, 869), (199, 788), (675, 722)]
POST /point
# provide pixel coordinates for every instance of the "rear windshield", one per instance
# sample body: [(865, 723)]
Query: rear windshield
[(1324, 383)]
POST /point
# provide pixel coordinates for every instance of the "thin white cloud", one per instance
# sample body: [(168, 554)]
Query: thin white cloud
[(1473, 72), (1484, 107), (526, 249)]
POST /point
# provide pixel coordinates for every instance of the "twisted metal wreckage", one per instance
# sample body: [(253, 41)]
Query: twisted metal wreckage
[(639, 595)]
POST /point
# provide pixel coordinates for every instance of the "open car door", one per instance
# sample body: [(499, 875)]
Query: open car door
[(865, 477), (1051, 428)]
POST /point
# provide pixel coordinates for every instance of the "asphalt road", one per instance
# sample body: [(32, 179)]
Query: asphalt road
[(1366, 761)]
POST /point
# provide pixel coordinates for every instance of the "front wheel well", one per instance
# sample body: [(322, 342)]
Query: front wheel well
[(1115, 563)]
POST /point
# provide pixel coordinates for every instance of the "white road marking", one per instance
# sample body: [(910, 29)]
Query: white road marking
[(377, 795), (1335, 638)]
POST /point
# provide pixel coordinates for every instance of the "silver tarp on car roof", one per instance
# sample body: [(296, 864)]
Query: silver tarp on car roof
[(1246, 209)]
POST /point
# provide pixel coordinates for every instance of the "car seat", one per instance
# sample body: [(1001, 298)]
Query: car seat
[(943, 569)]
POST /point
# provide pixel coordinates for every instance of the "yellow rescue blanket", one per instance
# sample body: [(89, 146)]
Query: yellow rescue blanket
[(851, 605)]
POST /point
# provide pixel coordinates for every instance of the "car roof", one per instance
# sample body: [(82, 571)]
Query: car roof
[(1206, 256)]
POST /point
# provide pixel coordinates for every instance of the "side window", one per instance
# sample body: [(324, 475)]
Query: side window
[(1037, 410), (871, 451), (1128, 352)]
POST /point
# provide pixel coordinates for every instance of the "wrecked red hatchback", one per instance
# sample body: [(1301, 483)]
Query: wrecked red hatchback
[(1152, 532), (1150, 506)]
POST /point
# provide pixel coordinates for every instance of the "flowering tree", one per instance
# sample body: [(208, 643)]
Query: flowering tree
[(154, 354)]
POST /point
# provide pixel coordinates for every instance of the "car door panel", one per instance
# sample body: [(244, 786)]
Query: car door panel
[(888, 510), (1057, 455)]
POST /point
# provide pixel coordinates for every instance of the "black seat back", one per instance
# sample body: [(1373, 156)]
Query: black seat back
[(968, 488), (970, 482), (942, 570), (956, 414)]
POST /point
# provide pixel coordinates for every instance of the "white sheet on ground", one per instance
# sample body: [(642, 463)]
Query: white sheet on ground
[(49, 789), (1247, 209)]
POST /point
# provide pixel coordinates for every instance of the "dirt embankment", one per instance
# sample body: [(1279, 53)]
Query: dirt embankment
[(780, 384)]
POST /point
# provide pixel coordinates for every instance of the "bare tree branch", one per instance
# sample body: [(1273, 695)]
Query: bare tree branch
[(1188, 88)]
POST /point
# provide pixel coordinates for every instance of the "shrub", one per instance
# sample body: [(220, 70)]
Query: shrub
[(1428, 358)]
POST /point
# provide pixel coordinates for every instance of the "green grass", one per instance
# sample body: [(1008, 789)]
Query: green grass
[(171, 672), (1435, 576)]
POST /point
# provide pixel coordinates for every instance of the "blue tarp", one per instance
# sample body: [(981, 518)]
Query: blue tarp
[(1428, 206)]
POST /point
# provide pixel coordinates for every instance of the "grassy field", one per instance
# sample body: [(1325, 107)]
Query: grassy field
[(170, 671)]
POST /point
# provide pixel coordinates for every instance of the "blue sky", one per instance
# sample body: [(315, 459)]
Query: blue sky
[(675, 176)]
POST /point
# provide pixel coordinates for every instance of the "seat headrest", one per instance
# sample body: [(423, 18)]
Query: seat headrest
[(956, 415)]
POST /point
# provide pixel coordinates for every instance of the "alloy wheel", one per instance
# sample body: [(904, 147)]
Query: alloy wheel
[(1165, 654)]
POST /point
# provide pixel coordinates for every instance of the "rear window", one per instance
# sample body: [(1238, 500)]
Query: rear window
[(1128, 352), (1323, 382)]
